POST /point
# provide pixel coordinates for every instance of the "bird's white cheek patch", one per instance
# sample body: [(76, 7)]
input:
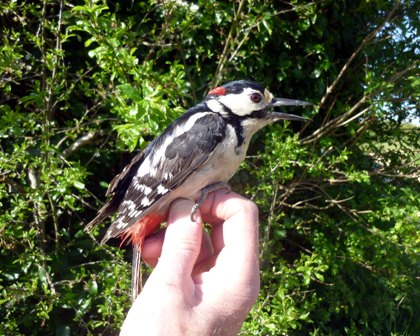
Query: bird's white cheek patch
[(241, 104)]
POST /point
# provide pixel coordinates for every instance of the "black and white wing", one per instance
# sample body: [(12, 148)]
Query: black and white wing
[(165, 164)]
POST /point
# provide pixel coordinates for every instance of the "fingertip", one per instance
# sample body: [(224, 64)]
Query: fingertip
[(220, 206)]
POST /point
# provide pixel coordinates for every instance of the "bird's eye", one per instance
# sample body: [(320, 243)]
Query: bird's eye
[(256, 97)]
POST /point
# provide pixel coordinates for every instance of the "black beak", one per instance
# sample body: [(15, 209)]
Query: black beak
[(287, 102)]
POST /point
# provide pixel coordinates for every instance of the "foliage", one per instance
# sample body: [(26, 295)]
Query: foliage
[(83, 82)]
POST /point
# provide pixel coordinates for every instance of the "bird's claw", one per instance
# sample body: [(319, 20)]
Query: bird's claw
[(194, 212), (204, 192)]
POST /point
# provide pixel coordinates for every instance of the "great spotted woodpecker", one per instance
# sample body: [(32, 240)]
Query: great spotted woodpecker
[(199, 152)]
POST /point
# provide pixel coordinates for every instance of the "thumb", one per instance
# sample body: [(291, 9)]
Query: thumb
[(181, 245)]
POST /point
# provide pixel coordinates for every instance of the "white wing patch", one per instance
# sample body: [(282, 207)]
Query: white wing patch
[(120, 224), (146, 202), (167, 176), (141, 187), (147, 168), (129, 204), (134, 213), (152, 161), (162, 190)]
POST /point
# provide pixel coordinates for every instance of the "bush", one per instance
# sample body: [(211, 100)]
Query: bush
[(83, 82)]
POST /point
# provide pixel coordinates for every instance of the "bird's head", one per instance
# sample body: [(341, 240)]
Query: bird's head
[(250, 100)]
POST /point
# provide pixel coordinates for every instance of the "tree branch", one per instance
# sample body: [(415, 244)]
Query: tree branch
[(85, 139), (369, 38)]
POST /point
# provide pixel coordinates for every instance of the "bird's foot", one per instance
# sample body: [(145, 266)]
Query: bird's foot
[(204, 192)]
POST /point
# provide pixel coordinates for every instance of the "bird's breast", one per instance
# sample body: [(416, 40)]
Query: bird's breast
[(222, 164)]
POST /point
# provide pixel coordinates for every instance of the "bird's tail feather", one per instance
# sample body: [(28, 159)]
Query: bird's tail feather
[(107, 209), (136, 276)]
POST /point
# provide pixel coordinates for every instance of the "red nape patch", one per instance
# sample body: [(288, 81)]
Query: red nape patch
[(218, 91), (142, 229)]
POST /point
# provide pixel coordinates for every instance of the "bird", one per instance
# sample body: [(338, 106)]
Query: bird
[(197, 154)]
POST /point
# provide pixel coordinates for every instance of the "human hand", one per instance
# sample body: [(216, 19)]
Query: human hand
[(202, 285)]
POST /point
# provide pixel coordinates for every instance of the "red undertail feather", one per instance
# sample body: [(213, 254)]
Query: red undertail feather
[(142, 229)]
